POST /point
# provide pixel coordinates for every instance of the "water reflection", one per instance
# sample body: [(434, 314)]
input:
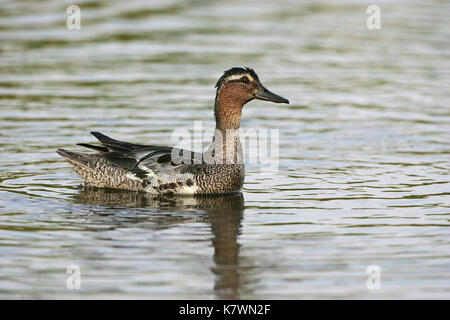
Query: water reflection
[(223, 213)]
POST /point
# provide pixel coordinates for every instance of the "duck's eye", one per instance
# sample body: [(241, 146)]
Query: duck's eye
[(245, 80)]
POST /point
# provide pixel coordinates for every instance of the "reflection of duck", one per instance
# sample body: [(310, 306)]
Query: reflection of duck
[(162, 170), (223, 212)]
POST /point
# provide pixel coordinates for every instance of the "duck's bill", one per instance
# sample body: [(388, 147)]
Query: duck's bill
[(267, 95)]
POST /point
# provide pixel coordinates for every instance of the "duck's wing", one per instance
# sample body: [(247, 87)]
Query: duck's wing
[(146, 160)]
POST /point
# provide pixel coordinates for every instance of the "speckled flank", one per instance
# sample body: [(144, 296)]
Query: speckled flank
[(211, 179)]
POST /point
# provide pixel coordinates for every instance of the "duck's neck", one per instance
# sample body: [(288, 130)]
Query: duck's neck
[(228, 112)]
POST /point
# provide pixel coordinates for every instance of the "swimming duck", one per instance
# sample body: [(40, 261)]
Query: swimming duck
[(167, 170)]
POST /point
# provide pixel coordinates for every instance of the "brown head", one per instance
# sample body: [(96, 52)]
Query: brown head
[(236, 87)]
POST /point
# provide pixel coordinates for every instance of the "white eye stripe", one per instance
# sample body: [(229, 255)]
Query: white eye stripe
[(239, 76)]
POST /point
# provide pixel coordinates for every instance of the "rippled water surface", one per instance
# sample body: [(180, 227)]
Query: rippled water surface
[(363, 174)]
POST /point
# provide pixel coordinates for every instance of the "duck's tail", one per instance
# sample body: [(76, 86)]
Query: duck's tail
[(98, 172), (75, 158)]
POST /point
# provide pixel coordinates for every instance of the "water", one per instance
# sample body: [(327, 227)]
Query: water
[(364, 165)]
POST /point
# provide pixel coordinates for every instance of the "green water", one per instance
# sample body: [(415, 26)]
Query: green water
[(363, 174)]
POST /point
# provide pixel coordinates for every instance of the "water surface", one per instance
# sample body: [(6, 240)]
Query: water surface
[(363, 175)]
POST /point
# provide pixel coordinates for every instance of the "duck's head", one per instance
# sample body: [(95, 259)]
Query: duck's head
[(235, 88), (241, 85)]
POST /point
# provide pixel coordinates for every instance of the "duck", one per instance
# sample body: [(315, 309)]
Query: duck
[(163, 170)]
